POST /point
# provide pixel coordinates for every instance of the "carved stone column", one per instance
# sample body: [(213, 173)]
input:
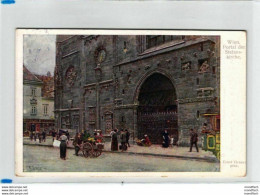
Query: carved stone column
[(135, 130), (98, 74)]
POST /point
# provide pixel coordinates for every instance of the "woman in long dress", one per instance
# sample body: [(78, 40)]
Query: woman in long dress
[(114, 141), (63, 146)]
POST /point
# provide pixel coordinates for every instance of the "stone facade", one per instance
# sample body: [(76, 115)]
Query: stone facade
[(142, 83)]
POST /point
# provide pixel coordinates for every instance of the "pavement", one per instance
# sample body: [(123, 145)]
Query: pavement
[(46, 159), (154, 150)]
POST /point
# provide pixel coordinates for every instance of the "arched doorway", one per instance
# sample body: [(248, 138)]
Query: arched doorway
[(157, 108)]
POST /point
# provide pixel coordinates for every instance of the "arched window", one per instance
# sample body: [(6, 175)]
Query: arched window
[(122, 118), (198, 81), (198, 114)]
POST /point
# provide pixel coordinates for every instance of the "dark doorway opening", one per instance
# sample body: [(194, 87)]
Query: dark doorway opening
[(157, 109)]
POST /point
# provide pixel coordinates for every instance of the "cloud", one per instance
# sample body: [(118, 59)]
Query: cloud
[(39, 53)]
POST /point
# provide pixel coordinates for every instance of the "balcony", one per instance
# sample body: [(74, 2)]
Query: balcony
[(33, 101)]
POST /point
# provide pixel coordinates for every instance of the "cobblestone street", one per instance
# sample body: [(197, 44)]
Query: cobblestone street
[(157, 150), (46, 159)]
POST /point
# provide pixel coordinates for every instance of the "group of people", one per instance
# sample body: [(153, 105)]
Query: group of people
[(167, 140), (79, 139), (124, 137), (38, 135), (144, 142), (56, 134)]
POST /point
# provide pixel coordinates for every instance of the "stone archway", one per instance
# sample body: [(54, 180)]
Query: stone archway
[(157, 108)]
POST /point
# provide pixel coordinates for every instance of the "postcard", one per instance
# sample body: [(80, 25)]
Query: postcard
[(130, 103)]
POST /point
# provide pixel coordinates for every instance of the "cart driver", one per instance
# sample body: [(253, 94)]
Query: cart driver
[(77, 143)]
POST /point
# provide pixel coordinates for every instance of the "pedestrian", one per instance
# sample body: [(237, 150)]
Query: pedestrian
[(165, 139), (63, 146), (53, 134), (146, 141), (123, 141), (44, 136), (34, 136), (114, 141), (127, 137), (77, 143), (193, 140), (85, 136), (99, 136), (68, 135), (171, 140), (95, 134), (31, 135), (39, 136)]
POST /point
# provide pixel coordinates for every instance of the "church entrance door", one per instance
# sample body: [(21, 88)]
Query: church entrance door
[(157, 109)]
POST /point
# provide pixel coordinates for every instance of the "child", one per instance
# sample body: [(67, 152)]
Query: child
[(171, 140)]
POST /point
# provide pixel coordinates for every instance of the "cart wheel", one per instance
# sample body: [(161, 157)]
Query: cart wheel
[(96, 152), (87, 148)]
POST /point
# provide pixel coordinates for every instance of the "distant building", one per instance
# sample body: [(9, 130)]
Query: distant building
[(38, 101)]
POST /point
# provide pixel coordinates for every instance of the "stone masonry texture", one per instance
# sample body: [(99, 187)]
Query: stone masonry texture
[(102, 82)]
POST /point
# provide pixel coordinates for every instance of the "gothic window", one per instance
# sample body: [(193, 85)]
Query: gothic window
[(75, 122), (92, 114), (214, 70), (155, 40), (201, 47), (198, 114), (198, 81), (108, 121)]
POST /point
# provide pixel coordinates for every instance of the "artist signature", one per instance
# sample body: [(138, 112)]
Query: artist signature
[(34, 168)]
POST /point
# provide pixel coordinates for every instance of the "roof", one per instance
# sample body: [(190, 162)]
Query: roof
[(48, 86), (30, 77), (167, 47)]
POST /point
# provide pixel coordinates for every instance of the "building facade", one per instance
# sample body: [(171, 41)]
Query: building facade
[(143, 83), (38, 102)]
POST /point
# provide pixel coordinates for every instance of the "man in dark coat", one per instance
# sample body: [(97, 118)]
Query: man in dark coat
[(193, 140), (44, 136), (114, 141), (31, 135), (165, 139), (77, 143), (127, 137), (123, 140), (53, 133)]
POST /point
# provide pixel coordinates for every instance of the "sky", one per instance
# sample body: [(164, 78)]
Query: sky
[(39, 53)]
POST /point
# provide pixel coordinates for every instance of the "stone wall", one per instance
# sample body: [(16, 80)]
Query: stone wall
[(105, 93)]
